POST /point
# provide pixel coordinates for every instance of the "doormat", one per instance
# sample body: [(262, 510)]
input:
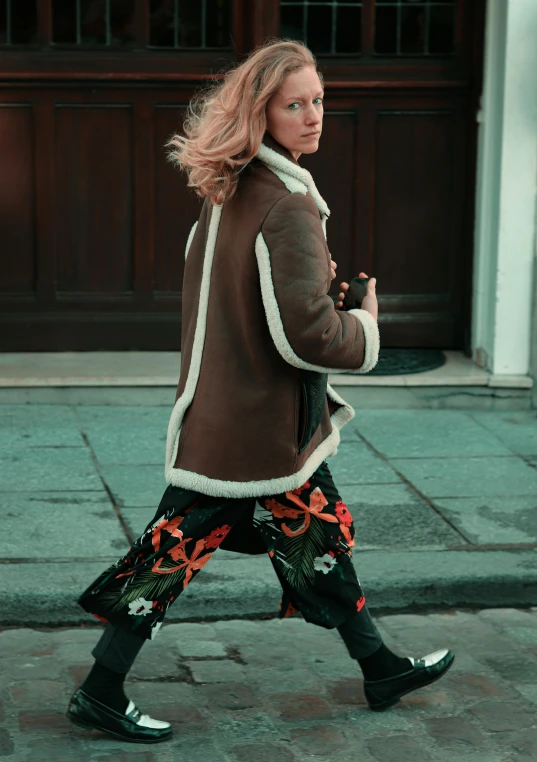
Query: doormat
[(401, 361)]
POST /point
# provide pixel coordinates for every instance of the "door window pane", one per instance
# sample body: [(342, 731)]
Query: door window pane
[(319, 29), (442, 30), (414, 27), (386, 30), (162, 23), (412, 35), (3, 22), (64, 21), (292, 22), (326, 26), (172, 23), (190, 23), (93, 22), (218, 24), (18, 22), (122, 22), (349, 29)]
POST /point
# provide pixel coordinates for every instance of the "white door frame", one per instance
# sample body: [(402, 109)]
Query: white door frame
[(504, 247)]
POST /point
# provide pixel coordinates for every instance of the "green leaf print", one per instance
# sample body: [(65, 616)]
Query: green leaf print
[(147, 584), (300, 552)]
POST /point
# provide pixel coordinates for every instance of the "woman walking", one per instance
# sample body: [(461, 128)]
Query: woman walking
[(254, 419)]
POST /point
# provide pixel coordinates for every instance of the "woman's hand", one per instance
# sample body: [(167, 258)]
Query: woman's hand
[(369, 302)]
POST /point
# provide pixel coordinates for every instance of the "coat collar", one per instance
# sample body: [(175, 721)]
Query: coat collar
[(296, 178)]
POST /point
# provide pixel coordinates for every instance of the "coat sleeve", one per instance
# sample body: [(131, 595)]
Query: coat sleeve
[(294, 269)]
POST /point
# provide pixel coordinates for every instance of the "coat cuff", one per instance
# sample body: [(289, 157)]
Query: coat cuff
[(372, 339)]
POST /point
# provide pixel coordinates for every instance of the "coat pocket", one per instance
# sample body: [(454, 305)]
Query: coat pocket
[(313, 394)]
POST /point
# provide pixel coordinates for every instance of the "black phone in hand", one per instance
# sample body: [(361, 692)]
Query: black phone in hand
[(355, 294)]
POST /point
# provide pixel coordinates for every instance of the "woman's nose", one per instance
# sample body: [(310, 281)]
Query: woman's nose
[(312, 116)]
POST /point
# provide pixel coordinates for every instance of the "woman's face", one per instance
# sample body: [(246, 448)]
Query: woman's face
[(295, 112)]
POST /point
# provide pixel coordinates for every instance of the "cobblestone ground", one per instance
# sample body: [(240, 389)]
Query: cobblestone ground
[(244, 691)]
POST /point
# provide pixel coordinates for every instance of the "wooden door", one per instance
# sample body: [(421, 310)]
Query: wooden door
[(93, 219)]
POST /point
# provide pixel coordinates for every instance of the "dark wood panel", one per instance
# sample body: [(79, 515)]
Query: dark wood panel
[(333, 168), (94, 199), (176, 206), (17, 184), (95, 331), (417, 214)]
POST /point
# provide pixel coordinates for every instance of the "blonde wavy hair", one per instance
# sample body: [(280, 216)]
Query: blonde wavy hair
[(225, 123)]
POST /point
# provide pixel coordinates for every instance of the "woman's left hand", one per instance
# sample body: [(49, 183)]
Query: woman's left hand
[(344, 286)]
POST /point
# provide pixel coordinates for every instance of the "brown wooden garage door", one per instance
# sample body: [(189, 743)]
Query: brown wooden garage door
[(93, 220)]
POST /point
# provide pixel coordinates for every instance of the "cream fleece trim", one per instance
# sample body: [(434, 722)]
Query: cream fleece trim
[(372, 339), (280, 165), (190, 237), (218, 488), (276, 328), (176, 418)]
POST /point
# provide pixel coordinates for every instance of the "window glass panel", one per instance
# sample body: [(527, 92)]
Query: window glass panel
[(218, 24), (23, 22), (162, 22), (190, 23), (332, 26), (348, 34), (64, 21), (122, 22), (189, 32), (93, 22), (413, 24), (3, 22), (319, 29), (442, 29), (386, 30), (291, 22)]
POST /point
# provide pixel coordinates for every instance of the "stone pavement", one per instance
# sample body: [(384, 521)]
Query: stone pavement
[(444, 504), (243, 691)]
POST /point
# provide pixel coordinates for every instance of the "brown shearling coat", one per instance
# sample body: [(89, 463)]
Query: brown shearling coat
[(254, 414)]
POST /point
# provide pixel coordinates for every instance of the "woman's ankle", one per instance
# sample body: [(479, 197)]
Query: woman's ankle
[(383, 663), (106, 686)]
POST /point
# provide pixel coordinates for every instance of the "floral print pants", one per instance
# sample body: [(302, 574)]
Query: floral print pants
[(308, 534)]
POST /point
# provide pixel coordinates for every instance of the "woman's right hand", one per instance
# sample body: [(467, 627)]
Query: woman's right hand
[(369, 302)]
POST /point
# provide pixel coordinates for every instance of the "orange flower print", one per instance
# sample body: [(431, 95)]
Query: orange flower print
[(347, 535), (213, 540), (289, 611), (178, 552), (343, 513), (168, 526), (300, 490), (192, 564), (317, 503)]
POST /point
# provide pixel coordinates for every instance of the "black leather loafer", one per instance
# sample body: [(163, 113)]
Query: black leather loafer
[(133, 726), (380, 694)]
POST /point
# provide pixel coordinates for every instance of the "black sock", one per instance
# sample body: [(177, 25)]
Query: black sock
[(383, 663), (106, 686)]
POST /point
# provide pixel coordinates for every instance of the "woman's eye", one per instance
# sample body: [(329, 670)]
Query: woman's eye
[(319, 100), (291, 106)]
